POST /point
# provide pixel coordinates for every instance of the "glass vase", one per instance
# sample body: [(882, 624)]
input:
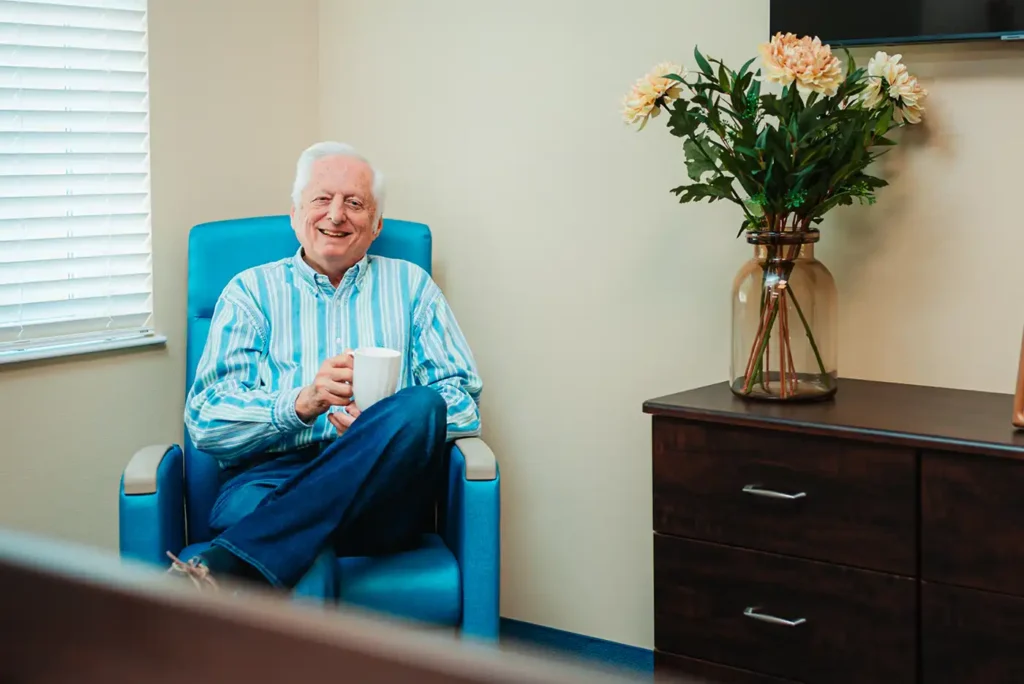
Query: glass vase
[(784, 323)]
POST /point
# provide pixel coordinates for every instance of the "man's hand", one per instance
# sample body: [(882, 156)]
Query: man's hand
[(342, 420), (332, 386)]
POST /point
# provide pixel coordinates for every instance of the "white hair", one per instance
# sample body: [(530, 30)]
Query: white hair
[(304, 170)]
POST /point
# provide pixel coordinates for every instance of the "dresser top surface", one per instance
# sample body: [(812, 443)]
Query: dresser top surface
[(914, 415)]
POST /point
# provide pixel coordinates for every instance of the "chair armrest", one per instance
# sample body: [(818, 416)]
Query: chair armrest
[(480, 461), (141, 472), (151, 506), (471, 527)]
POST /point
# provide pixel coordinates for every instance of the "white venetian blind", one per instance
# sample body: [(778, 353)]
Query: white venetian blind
[(75, 263)]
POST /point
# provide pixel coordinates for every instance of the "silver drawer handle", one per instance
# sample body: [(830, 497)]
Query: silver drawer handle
[(751, 612), (757, 491)]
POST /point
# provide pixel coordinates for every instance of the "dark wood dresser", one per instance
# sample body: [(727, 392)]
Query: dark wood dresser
[(876, 537)]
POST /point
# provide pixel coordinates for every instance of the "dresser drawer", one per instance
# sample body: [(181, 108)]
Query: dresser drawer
[(972, 521), (784, 617), (970, 636), (814, 497), (676, 669)]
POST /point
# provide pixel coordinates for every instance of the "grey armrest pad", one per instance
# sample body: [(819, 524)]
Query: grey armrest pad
[(480, 461), (140, 473)]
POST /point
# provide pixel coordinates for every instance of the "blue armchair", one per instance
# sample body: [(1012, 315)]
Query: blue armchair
[(167, 491)]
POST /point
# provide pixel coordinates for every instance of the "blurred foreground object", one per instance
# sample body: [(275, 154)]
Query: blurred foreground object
[(73, 614)]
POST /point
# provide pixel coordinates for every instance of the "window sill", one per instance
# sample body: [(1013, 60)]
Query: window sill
[(80, 348)]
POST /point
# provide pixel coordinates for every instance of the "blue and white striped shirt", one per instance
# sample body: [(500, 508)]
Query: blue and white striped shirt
[(273, 327)]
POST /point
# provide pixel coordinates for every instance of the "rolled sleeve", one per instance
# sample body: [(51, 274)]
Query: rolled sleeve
[(285, 417)]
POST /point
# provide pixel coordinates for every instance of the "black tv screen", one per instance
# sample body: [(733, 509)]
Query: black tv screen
[(867, 22)]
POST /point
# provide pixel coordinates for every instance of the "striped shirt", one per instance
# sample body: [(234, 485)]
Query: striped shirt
[(273, 327)]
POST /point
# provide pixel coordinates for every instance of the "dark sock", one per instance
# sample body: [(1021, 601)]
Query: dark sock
[(220, 561)]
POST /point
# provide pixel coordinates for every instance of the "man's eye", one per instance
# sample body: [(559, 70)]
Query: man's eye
[(356, 204)]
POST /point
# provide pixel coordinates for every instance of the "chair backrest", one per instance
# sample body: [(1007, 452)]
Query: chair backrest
[(217, 252)]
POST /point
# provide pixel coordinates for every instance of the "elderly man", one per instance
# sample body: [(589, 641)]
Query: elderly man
[(305, 473)]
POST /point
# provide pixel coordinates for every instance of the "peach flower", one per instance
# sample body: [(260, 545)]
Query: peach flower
[(889, 80), (805, 61), (650, 92)]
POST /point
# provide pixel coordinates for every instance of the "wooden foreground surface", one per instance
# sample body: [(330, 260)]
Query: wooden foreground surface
[(71, 614)]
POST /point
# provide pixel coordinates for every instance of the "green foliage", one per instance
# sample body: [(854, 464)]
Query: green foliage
[(786, 158)]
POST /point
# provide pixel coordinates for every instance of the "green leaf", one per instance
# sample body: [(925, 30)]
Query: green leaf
[(778, 147), (851, 63), (802, 175), (755, 88), (702, 63), (842, 198), (682, 122), (739, 101), (743, 69), (747, 151), (675, 77), (698, 161), (717, 189), (705, 86), (775, 106), (721, 186), (739, 167), (723, 78), (815, 153), (883, 122), (692, 193), (761, 139)]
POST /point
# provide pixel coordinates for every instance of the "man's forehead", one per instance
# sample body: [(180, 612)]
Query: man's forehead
[(338, 171)]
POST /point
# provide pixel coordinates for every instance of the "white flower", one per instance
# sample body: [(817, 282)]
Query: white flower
[(889, 81), (648, 93)]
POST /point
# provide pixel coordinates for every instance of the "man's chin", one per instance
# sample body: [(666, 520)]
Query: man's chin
[(338, 259)]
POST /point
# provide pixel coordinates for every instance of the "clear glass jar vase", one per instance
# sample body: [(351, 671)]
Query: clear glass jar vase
[(784, 323)]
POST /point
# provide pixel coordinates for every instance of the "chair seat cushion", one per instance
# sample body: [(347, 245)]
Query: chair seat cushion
[(421, 584)]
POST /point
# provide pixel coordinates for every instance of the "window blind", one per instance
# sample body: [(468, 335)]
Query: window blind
[(75, 254)]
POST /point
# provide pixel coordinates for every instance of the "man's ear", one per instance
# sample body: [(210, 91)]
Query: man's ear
[(380, 226)]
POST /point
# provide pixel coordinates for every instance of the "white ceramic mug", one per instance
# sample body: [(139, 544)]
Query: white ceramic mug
[(374, 375)]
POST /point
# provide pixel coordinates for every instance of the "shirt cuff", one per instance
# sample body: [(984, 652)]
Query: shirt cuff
[(284, 416)]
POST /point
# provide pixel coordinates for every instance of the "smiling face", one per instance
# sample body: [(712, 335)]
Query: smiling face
[(336, 220)]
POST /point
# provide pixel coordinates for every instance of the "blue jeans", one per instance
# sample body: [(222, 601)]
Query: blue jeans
[(369, 492)]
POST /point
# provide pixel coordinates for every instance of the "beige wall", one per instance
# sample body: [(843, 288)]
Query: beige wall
[(227, 81), (582, 287), (929, 278)]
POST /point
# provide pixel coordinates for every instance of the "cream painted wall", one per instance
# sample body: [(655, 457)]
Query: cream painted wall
[(582, 287), (929, 277), (233, 102)]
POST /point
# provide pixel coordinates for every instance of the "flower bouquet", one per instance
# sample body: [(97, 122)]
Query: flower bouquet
[(786, 158)]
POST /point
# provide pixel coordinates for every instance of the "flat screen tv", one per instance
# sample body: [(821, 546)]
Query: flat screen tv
[(876, 22)]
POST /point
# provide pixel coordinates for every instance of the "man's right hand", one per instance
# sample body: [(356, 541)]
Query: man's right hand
[(332, 386)]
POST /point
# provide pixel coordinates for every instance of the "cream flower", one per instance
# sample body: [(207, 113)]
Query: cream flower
[(650, 92), (806, 61), (889, 80)]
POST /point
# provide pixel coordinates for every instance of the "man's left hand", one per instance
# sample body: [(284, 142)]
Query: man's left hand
[(342, 420)]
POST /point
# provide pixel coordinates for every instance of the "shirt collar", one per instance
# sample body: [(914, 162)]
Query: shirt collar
[(352, 278)]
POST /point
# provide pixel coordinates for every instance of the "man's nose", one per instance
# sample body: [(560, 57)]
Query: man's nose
[(336, 211)]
